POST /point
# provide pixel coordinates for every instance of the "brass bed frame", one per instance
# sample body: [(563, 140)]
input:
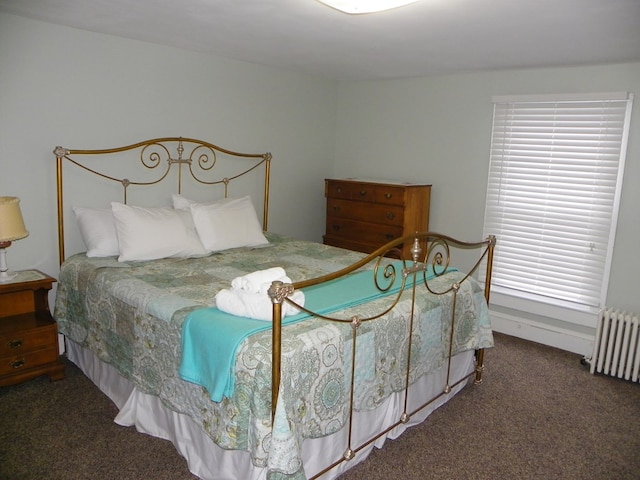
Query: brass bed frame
[(200, 158), (197, 159), (438, 257)]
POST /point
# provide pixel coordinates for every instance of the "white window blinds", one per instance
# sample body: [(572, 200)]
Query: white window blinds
[(554, 184)]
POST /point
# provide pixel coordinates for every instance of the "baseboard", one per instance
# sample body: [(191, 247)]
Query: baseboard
[(540, 332)]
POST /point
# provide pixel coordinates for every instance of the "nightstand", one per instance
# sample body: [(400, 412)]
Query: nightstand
[(28, 332)]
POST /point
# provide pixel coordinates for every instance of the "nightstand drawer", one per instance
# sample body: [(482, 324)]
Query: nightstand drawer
[(19, 342), (366, 212), (12, 364), (16, 303)]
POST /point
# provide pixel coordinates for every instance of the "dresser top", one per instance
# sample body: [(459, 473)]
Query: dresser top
[(379, 181)]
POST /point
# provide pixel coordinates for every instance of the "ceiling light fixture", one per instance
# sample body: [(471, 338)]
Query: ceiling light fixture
[(356, 7)]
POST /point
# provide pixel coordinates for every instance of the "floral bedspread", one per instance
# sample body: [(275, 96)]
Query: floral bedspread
[(137, 310)]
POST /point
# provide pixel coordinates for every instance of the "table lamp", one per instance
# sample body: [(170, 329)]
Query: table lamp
[(11, 228)]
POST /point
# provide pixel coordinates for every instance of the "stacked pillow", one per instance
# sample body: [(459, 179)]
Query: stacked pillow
[(98, 231), (190, 229)]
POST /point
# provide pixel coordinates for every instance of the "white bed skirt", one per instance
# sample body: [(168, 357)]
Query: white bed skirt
[(210, 462)]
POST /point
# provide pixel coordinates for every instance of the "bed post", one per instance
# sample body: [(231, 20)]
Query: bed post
[(491, 239), (267, 179), (276, 337), (487, 277), (278, 291), (60, 152)]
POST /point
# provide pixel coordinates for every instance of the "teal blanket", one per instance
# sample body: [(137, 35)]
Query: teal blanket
[(210, 337)]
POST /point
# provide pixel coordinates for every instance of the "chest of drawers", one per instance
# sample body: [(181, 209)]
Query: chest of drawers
[(363, 215), (28, 333)]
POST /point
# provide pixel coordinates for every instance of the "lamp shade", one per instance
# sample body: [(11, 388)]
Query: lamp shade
[(11, 222)]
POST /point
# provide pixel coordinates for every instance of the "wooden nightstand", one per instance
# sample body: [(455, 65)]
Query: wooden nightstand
[(28, 332)]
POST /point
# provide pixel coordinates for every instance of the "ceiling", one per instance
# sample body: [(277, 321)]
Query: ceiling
[(430, 37)]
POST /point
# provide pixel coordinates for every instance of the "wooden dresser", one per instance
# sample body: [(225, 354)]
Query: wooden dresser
[(363, 215), (28, 333)]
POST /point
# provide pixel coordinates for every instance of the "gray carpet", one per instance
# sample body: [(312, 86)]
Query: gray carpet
[(538, 415)]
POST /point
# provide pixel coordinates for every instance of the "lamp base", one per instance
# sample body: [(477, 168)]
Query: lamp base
[(7, 277)]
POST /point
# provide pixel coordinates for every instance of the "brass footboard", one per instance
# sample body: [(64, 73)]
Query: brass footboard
[(413, 274)]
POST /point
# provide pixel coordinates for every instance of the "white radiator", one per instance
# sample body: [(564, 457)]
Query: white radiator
[(616, 350)]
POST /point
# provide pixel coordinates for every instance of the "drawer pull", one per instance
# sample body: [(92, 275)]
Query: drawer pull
[(17, 363), (363, 192), (390, 215), (389, 236), (336, 208), (336, 227), (388, 195), (339, 189), (15, 343)]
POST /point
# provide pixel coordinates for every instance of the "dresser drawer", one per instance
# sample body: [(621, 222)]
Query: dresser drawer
[(12, 364), (350, 244), (389, 194), (392, 194), (19, 342), (362, 231), (366, 212), (361, 192)]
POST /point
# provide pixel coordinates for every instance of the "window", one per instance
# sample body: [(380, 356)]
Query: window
[(555, 179)]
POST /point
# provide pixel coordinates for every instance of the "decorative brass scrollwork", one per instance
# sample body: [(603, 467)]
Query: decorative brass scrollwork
[(151, 158), (278, 291)]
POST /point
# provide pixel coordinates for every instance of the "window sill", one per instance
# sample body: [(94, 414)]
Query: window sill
[(576, 314)]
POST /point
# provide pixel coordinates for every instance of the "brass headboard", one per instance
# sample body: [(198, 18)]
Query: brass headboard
[(195, 158)]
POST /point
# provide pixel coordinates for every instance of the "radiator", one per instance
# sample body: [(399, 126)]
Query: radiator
[(616, 350)]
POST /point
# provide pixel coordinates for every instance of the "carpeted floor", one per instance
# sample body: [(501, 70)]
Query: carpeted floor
[(538, 415)]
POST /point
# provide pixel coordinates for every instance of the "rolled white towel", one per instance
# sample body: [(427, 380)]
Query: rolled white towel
[(254, 305), (254, 282), (264, 288)]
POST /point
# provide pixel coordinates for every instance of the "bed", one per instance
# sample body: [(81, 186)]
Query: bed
[(353, 348)]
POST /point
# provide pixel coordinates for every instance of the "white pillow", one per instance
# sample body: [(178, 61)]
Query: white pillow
[(180, 202), (152, 233), (98, 231), (183, 203), (228, 224)]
